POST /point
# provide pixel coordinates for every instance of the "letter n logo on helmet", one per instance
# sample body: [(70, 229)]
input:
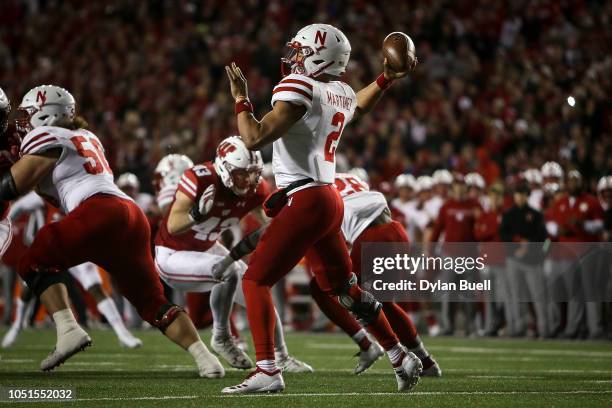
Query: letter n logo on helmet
[(41, 97), (320, 37), (225, 148)]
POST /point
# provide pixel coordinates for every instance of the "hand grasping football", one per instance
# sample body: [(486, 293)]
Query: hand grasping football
[(399, 52)]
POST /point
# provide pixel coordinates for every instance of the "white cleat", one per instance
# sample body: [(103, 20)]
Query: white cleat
[(11, 336), (291, 364), (258, 381), (129, 341), (368, 357), (408, 373), (68, 344), (228, 349), (209, 366), (241, 344), (432, 371)]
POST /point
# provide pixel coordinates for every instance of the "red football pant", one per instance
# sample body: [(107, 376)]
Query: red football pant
[(397, 317), (111, 232), (309, 223)]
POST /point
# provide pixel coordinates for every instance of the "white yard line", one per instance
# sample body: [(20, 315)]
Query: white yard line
[(481, 350)]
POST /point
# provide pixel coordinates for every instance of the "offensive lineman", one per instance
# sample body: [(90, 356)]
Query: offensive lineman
[(66, 164)]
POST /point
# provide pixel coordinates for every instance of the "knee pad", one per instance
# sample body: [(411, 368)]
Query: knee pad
[(39, 279), (166, 315), (366, 309)]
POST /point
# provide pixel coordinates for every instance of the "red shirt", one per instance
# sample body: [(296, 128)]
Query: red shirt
[(457, 219), (574, 212), (486, 230), (227, 210)]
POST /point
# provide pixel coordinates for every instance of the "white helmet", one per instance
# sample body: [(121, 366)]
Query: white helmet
[(360, 173), (405, 180), (233, 155), (475, 180), (318, 49), (552, 169), (46, 105), (5, 109), (533, 176), (128, 180), (424, 183), (170, 169), (604, 183), (442, 176)]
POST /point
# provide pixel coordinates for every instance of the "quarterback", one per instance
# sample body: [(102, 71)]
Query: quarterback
[(310, 108)]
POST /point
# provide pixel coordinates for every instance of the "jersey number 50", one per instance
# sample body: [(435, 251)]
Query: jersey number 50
[(91, 149)]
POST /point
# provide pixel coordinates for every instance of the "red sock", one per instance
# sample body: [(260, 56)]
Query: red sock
[(402, 324), (380, 328), (262, 318), (334, 310)]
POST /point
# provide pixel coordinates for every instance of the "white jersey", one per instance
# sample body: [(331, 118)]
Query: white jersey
[(308, 149), (361, 206), (81, 170), (433, 205)]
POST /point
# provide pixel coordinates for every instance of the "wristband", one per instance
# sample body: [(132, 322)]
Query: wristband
[(243, 105), (382, 82), (195, 214)]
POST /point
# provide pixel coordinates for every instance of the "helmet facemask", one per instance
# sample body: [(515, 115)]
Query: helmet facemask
[(293, 62), (243, 181)]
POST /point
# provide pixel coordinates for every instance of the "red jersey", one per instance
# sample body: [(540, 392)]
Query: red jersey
[(457, 220), (486, 230), (227, 210), (575, 213)]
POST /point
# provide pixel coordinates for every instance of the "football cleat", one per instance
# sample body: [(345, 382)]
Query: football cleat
[(258, 381), (209, 366), (291, 364), (11, 336), (407, 374), (68, 344), (431, 368), (228, 349), (129, 341), (241, 344), (368, 357)]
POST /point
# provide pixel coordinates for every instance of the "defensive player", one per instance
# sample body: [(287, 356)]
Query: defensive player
[(66, 164), (212, 198), (310, 108)]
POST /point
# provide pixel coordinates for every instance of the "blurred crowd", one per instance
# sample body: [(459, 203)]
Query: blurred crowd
[(501, 86)]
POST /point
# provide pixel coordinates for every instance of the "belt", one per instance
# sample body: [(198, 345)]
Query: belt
[(297, 184)]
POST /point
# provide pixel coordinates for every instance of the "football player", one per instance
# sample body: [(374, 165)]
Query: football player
[(310, 108), (87, 274), (212, 198), (66, 164)]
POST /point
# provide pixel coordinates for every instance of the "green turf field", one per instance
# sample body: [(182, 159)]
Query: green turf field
[(487, 373)]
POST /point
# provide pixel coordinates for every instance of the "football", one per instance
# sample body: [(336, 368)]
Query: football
[(399, 51)]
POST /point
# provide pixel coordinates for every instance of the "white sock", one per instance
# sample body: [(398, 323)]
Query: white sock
[(280, 347), (109, 310), (420, 351), (267, 365), (357, 337), (396, 354), (198, 351), (64, 321), (19, 313)]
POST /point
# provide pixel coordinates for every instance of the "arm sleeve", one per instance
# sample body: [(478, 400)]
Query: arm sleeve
[(294, 88)]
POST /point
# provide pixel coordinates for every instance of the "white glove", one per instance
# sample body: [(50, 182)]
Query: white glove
[(218, 269), (204, 204), (6, 235)]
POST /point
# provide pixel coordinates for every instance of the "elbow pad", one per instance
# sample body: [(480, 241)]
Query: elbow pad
[(8, 189)]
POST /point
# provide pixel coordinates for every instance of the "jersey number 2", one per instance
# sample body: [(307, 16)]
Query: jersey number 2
[(91, 149), (332, 139)]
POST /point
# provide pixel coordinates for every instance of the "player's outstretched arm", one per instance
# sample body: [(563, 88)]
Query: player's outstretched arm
[(369, 96), (26, 173), (272, 126)]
